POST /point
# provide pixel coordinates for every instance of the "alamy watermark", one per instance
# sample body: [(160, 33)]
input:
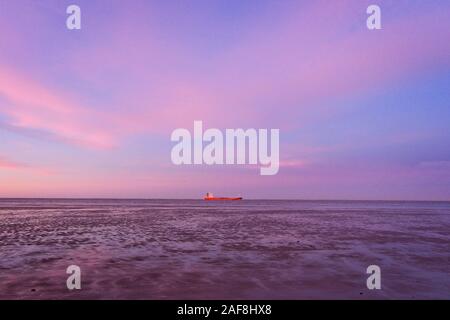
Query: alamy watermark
[(373, 22), (374, 280), (74, 280), (73, 21), (236, 146)]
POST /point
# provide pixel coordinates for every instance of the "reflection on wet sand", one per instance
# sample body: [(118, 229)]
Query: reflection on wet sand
[(188, 249)]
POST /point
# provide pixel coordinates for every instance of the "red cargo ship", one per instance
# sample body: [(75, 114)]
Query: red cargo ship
[(209, 196)]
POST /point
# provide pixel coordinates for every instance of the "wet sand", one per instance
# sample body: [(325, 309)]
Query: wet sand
[(189, 249)]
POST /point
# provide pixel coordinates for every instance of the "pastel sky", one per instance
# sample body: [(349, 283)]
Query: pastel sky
[(362, 114)]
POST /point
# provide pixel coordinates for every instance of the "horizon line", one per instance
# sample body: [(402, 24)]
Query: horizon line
[(201, 199)]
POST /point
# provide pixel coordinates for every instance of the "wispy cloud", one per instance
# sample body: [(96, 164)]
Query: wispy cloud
[(118, 87), (6, 163), (30, 105)]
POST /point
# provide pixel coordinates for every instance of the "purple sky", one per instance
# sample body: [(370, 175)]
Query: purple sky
[(362, 114)]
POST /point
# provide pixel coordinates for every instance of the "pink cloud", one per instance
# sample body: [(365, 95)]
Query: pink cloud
[(304, 64), (283, 68), (9, 164), (30, 105), (271, 69), (153, 88)]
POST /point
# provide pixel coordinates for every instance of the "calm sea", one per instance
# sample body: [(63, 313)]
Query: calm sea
[(250, 249)]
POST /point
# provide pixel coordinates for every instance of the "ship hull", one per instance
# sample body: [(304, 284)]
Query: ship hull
[(222, 199)]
